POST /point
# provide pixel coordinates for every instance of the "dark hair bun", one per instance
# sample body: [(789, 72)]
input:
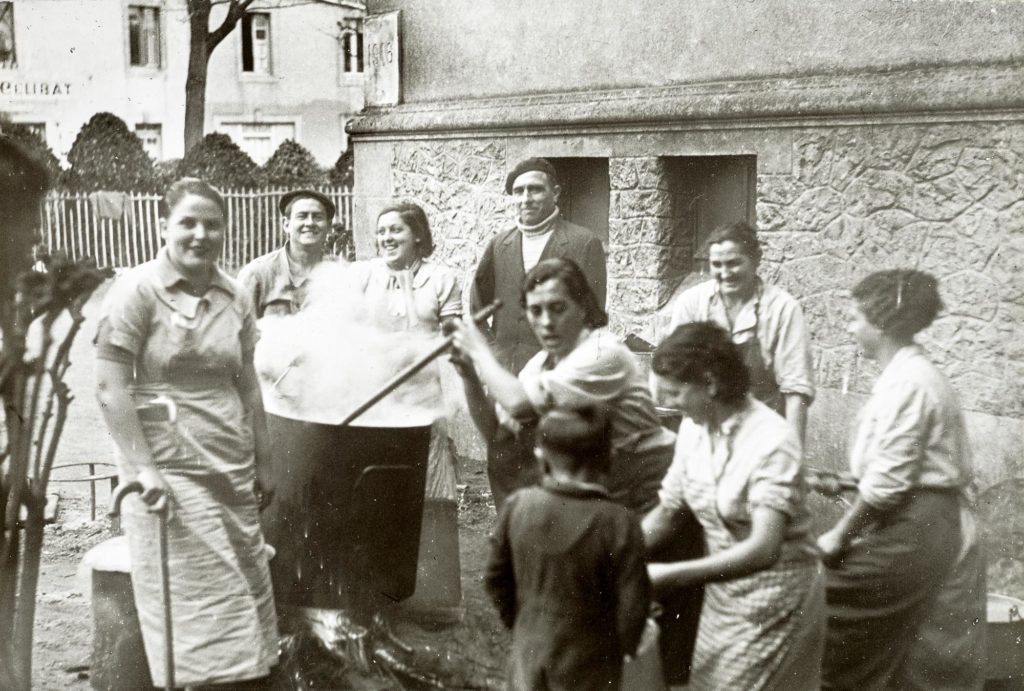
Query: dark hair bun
[(900, 302)]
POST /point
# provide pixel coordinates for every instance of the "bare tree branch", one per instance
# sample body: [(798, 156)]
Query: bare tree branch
[(236, 10)]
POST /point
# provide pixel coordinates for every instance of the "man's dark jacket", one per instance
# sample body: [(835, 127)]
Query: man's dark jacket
[(500, 275)]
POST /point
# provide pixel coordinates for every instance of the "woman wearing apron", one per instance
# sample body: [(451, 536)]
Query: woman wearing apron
[(738, 469), (906, 571), (765, 322), (177, 388), (405, 291)]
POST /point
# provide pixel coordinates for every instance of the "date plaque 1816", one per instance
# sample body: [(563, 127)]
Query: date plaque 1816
[(382, 61)]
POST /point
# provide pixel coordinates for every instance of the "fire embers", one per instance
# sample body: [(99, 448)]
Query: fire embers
[(329, 649)]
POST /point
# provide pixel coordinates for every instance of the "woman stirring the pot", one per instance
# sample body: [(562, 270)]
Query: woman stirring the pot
[(580, 365), (176, 385), (765, 322), (909, 537)]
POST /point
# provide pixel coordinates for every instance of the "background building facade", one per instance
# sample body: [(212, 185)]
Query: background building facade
[(289, 70), (858, 135)]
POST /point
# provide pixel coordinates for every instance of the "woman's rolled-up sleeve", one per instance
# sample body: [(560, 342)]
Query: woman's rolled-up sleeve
[(892, 460), (449, 295), (595, 373), (776, 481), (792, 357), (672, 493), (124, 324)]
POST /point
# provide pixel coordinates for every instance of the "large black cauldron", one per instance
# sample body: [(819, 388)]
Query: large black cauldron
[(346, 514)]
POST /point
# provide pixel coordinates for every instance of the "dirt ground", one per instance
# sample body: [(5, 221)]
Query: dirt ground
[(473, 649)]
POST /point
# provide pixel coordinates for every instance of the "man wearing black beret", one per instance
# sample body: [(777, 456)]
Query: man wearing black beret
[(540, 233), (277, 281)]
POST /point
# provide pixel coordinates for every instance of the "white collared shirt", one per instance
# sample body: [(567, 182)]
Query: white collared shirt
[(780, 328), (910, 433)]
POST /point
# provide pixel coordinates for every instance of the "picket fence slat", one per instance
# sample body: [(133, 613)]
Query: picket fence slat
[(82, 224)]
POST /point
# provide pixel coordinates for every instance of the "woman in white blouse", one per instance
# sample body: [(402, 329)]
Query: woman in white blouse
[(910, 528)]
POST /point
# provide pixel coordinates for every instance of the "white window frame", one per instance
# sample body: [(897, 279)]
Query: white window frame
[(351, 49), (234, 126), (150, 43), (257, 72)]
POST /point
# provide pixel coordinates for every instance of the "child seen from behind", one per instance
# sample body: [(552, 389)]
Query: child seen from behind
[(566, 570)]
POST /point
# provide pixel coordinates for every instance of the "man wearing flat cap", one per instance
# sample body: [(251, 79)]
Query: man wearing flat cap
[(540, 233), (278, 281)]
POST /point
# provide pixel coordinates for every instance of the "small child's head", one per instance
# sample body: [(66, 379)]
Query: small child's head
[(575, 442)]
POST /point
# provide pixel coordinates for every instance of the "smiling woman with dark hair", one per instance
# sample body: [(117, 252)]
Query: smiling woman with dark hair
[(765, 321), (580, 364), (737, 469), (405, 291)]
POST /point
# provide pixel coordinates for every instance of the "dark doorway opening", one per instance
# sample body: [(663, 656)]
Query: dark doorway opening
[(585, 193)]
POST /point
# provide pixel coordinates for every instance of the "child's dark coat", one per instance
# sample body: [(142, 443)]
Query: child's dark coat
[(567, 575)]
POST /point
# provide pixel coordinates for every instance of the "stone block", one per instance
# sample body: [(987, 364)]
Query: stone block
[(1007, 173), (815, 274), (891, 220), (930, 163), (771, 217), (970, 293), (853, 155), (782, 190), (835, 368), (624, 324), (985, 393), (631, 294), (938, 136), (944, 253), (651, 173), (625, 231), (825, 315), (875, 190), (815, 209), (659, 261), (942, 199), (644, 203), (622, 173), (793, 245), (975, 170), (1009, 322), (814, 156)]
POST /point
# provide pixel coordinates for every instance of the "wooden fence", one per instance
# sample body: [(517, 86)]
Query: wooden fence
[(123, 229)]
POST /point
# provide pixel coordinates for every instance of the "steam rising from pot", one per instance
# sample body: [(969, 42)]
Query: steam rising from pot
[(321, 363)]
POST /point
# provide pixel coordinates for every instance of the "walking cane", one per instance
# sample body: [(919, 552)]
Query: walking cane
[(165, 579)]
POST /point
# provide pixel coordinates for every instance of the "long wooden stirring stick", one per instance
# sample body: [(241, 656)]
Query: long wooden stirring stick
[(415, 367)]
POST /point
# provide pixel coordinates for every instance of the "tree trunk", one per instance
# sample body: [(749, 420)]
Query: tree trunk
[(195, 82)]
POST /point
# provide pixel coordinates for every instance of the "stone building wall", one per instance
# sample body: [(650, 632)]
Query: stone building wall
[(833, 204), (945, 199), (650, 245)]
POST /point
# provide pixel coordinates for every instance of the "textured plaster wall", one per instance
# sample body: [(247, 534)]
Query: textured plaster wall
[(833, 204), (945, 199)]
